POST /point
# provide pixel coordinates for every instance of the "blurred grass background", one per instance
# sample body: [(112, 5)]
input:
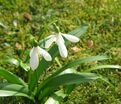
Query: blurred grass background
[(22, 20)]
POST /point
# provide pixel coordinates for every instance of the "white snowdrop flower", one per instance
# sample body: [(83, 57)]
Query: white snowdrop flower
[(34, 56), (58, 39)]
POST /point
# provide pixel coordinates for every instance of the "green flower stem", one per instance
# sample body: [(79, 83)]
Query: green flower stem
[(58, 62)]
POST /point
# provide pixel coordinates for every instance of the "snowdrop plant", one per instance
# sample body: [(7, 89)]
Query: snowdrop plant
[(47, 90)]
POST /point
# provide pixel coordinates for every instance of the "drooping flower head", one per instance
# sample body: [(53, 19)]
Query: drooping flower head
[(59, 40), (34, 56)]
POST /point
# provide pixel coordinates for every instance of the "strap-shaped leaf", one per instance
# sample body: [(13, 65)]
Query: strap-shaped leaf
[(104, 67), (10, 77), (4, 93), (43, 65), (66, 79), (80, 61), (71, 78), (8, 89)]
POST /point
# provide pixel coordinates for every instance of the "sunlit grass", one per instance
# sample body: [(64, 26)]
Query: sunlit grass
[(104, 33)]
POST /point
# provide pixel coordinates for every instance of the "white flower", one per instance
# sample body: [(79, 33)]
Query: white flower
[(58, 39), (34, 56)]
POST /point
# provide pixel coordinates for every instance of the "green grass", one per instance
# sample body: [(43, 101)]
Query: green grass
[(104, 20)]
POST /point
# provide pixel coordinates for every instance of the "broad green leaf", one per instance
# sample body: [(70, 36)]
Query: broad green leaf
[(66, 79), (56, 98), (71, 78), (7, 89), (104, 67), (10, 77), (43, 65)]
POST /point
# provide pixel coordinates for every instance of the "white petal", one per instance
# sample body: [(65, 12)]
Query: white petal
[(50, 40), (34, 59), (71, 38), (62, 50), (59, 38), (45, 54)]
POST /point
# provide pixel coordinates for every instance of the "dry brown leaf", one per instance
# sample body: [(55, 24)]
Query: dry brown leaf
[(90, 43), (27, 16)]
